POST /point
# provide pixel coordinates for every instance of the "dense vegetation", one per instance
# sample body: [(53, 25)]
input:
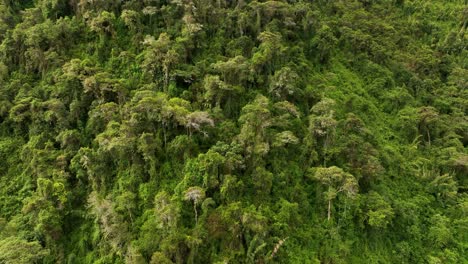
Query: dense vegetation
[(202, 131)]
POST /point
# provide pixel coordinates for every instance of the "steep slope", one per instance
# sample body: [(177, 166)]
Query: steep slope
[(233, 131)]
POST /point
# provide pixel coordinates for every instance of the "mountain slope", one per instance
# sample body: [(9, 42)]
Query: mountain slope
[(233, 131)]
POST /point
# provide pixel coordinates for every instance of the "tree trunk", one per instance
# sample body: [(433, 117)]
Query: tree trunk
[(166, 78), (325, 143), (163, 125), (329, 210), (428, 136), (196, 213)]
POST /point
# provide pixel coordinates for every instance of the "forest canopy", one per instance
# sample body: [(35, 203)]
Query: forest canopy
[(233, 131)]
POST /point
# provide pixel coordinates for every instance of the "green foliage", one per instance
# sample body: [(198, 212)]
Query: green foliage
[(16, 250), (233, 131), (379, 212)]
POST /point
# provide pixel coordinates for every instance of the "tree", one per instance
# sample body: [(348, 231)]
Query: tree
[(427, 117), (233, 131), (322, 124), (196, 119), (103, 25), (51, 8), (166, 211), (114, 229), (439, 231), (150, 11), (196, 195), (324, 41), (255, 119), (207, 168), (357, 147), (160, 258), (234, 71), (216, 90), (444, 187), (5, 20), (155, 109), (82, 7), (284, 83), (379, 212), (268, 56), (101, 116), (336, 181), (160, 56), (284, 138), (263, 181), (131, 19), (19, 251)]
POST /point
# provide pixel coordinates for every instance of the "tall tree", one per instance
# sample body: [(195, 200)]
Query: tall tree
[(336, 181)]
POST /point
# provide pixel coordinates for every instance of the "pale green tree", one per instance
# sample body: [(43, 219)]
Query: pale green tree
[(196, 195), (336, 181)]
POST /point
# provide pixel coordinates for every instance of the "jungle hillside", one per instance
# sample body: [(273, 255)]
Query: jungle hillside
[(233, 131)]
